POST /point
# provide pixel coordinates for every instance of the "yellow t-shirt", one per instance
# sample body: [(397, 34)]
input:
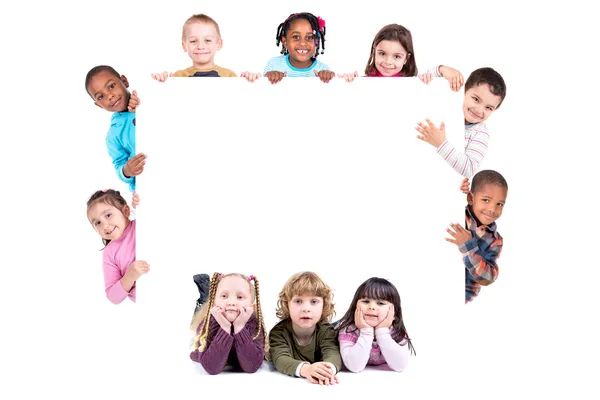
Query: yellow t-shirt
[(215, 71)]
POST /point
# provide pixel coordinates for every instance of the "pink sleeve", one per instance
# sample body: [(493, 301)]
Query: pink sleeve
[(112, 276), (355, 355), (396, 356)]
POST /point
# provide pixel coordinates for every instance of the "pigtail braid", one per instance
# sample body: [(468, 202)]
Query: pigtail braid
[(202, 341)]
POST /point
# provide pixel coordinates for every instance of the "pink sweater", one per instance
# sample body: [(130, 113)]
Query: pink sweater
[(117, 257), (360, 347)]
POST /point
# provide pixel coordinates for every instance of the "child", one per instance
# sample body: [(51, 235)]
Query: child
[(301, 36), (109, 91), (304, 343), (479, 242), (393, 55), (201, 39), (372, 331), (109, 213), (235, 333), (484, 92)]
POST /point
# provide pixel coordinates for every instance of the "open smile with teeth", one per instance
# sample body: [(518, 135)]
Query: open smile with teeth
[(302, 51)]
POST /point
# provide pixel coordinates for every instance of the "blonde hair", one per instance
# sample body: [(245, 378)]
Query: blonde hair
[(305, 283), (199, 18), (202, 317)]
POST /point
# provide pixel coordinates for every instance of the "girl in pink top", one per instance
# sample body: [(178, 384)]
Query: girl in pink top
[(372, 331), (109, 213), (393, 55)]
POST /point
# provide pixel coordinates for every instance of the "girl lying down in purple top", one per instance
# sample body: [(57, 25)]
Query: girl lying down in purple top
[(235, 334)]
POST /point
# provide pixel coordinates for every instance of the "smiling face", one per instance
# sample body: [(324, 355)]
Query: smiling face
[(300, 42), (233, 294), (305, 311), (109, 91), (202, 41), (488, 202), (374, 311), (390, 57), (108, 221), (479, 103)]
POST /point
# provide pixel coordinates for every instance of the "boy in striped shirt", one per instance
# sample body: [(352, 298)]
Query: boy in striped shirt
[(484, 92), (479, 242)]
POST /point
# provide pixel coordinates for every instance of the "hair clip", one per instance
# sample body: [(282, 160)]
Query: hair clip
[(250, 277), (221, 275), (104, 190), (321, 23)]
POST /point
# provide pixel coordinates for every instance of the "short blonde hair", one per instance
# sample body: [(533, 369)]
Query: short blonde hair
[(199, 18), (301, 284)]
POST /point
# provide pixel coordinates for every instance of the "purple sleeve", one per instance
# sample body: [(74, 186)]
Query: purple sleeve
[(214, 358), (250, 353)]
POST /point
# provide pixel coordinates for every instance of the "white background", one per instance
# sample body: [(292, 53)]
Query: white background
[(531, 332), (274, 193)]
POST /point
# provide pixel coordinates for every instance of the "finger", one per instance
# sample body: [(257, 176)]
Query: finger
[(450, 240), (442, 126), (431, 125)]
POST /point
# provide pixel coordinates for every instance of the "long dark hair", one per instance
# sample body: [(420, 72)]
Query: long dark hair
[(379, 289), (395, 33)]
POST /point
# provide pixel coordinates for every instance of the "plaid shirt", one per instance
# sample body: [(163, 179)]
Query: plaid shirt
[(479, 255)]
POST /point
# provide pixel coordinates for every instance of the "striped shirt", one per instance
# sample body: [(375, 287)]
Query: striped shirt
[(282, 64), (479, 255), (477, 136)]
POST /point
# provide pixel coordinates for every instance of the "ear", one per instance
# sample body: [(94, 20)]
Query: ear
[(126, 211), (219, 44), (98, 104), (183, 46), (125, 81), (470, 198), (284, 42)]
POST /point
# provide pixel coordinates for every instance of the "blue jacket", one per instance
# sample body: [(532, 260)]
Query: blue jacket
[(120, 142)]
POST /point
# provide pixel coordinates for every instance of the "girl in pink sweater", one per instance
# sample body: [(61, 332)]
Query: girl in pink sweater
[(109, 213), (229, 327), (372, 331)]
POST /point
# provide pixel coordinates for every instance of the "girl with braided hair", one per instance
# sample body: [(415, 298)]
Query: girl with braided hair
[(302, 37), (229, 327)]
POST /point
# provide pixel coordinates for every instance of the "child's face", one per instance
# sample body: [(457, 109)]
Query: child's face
[(107, 220), (374, 311), (479, 103), (233, 294), (109, 91), (488, 202), (299, 40), (305, 311), (202, 41), (390, 57)]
